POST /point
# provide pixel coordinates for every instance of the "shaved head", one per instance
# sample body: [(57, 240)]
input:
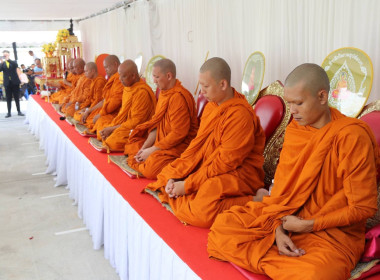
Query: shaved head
[(129, 66), (112, 59), (79, 62), (79, 65), (218, 68), (92, 66), (128, 73), (111, 64), (91, 70), (166, 65), (313, 77)]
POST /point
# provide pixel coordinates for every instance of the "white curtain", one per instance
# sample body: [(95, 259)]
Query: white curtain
[(288, 32)]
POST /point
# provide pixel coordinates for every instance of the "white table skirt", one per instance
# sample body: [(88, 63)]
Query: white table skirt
[(131, 246)]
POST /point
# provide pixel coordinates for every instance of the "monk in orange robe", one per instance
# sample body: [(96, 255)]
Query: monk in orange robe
[(94, 94), (312, 226), (138, 105), (80, 92), (112, 95), (69, 83), (223, 165), (154, 144)]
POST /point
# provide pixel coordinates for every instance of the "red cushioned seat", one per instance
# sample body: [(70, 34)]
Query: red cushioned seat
[(270, 111), (201, 104), (157, 93), (373, 120)]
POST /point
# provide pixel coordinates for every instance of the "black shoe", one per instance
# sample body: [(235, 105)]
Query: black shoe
[(20, 114), (8, 115)]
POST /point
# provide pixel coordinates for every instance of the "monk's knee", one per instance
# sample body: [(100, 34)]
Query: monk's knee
[(197, 218), (324, 271), (148, 172)]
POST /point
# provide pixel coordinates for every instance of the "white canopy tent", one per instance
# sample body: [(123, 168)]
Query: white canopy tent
[(288, 32)]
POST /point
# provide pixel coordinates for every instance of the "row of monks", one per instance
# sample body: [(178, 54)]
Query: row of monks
[(312, 223)]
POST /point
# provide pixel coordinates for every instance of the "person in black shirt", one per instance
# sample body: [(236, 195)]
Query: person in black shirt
[(11, 82)]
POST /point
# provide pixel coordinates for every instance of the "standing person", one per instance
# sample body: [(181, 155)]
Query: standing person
[(11, 82)]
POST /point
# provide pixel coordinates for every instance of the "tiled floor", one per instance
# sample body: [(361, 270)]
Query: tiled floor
[(30, 219)]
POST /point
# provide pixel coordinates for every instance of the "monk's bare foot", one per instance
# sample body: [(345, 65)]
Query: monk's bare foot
[(179, 188), (169, 187), (260, 194)]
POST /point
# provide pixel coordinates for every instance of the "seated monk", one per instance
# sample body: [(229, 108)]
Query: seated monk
[(223, 165), (138, 105), (78, 94), (112, 95), (312, 226), (68, 84), (94, 94), (155, 143)]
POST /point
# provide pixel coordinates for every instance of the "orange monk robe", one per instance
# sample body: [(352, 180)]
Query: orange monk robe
[(78, 94), (54, 98), (138, 105), (112, 95), (176, 122), (326, 174), (94, 96), (223, 165), (59, 95), (141, 90)]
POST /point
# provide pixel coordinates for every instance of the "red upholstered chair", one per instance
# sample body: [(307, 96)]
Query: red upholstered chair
[(274, 116), (99, 63), (157, 93), (371, 115), (201, 104), (270, 110)]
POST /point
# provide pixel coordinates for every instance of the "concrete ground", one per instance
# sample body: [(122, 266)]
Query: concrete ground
[(35, 216)]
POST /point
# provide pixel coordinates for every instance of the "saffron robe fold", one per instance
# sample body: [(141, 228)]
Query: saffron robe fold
[(78, 94), (112, 95), (176, 122), (138, 105), (55, 97), (223, 165), (94, 94), (326, 174)]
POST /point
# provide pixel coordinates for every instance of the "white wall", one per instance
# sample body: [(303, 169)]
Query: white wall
[(288, 32)]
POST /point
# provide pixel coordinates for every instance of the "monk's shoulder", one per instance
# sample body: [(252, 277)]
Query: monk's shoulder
[(177, 99), (237, 115), (353, 135), (100, 81)]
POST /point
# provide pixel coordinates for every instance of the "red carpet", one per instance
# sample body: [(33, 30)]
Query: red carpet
[(188, 242)]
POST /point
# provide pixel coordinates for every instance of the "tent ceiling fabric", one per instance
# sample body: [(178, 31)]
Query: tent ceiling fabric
[(53, 9)]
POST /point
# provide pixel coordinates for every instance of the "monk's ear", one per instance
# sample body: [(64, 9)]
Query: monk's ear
[(323, 96), (223, 84), (169, 75)]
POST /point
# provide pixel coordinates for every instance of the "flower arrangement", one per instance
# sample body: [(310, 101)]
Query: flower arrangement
[(48, 49), (62, 35)]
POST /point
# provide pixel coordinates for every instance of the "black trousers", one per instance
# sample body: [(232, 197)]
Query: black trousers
[(13, 90)]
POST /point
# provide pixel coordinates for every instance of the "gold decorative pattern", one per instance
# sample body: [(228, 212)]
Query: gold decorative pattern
[(98, 145), (83, 130), (371, 107), (121, 161), (71, 120), (274, 144), (155, 195)]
